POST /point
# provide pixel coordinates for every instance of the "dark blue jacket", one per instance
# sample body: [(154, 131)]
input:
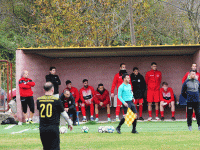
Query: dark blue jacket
[(190, 90)]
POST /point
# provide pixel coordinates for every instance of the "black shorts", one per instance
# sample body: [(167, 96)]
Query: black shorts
[(27, 101), (131, 106), (50, 137)]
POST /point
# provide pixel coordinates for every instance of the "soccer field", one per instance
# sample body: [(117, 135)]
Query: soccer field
[(152, 135)]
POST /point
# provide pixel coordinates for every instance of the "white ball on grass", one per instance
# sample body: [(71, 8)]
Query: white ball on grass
[(63, 130), (85, 129)]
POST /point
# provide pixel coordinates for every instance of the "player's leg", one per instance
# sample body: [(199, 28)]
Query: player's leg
[(162, 110), (24, 108), (97, 112), (117, 111), (173, 110), (141, 108), (73, 112), (77, 108), (108, 112), (157, 100), (31, 105), (193, 115), (132, 107), (83, 112), (135, 103), (150, 100), (118, 129), (197, 113), (189, 115), (92, 111)]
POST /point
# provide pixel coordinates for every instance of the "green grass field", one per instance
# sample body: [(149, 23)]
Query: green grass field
[(152, 135)]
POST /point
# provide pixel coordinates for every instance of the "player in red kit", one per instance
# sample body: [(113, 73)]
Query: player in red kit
[(74, 92), (153, 79), (101, 99), (167, 98), (118, 81), (87, 97), (186, 76)]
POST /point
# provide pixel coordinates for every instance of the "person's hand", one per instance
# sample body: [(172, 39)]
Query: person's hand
[(125, 104), (101, 104), (66, 109), (70, 127), (89, 101), (112, 95)]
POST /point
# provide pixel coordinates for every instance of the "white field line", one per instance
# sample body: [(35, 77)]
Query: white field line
[(10, 126), (20, 131)]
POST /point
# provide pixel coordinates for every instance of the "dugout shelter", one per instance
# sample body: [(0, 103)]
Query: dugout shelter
[(100, 64)]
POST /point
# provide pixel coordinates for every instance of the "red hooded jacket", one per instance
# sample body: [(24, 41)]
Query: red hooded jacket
[(153, 79), (87, 94), (101, 97), (25, 85), (187, 74), (168, 93), (74, 92)]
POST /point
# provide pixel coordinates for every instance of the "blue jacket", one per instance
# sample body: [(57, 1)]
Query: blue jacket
[(125, 93), (190, 90)]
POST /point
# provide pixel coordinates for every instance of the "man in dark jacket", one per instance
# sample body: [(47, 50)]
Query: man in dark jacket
[(69, 104), (139, 87), (55, 80), (190, 91)]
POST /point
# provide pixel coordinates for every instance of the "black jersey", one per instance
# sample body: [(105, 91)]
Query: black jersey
[(49, 108)]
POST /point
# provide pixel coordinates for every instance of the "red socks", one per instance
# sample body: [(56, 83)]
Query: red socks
[(150, 113), (162, 113), (77, 108), (173, 113), (117, 110), (83, 110), (97, 115), (157, 112), (91, 109), (108, 115), (193, 115), (140, 110)]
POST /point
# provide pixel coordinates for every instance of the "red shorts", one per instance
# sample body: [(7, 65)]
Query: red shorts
[(153, 96), (138, 101)]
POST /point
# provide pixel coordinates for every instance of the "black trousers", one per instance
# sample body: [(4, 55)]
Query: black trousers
[(50, 137), (132, 107), (27, 101), (190, 107), (73, 112)]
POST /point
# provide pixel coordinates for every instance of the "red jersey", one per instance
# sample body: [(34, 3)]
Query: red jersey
[(98, 97), (25, 85), (153, 79), (166, 95), (117, 81), (74, 92), (87, 94), (187, 74)]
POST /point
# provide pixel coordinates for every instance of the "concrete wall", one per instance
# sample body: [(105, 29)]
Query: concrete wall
[(98, 70)]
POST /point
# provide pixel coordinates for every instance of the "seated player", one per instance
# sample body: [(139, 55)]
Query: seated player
[(74, 92), (69, 104), (87, 97), (167, 98), (101, 99)]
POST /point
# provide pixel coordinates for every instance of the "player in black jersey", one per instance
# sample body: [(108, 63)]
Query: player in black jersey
[(50, 109)]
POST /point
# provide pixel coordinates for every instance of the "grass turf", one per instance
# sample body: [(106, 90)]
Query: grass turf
[(152, 135)]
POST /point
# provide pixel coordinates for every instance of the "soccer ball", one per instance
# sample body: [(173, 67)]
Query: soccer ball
[(85, 129), (111, 129), (101, 129), (106, 128), (63, 130)]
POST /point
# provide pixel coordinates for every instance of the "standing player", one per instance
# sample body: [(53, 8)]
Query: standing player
[(139, 87), (167, 98), (125, 95), (53, 78), (101, 99), (87, 97), (118, 81), (153, 79), (26, 95), (74, 92), (50, 108), (190, 91), (187, 76), (69, 104)]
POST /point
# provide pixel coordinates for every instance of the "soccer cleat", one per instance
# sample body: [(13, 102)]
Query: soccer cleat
[(150, 118), (84, 120), (117, 119), (162, 118), (91, 118), (158, 119), (27, 122), (173, 118), (74, 124), (199, 128), (97, 119), (134, 131), (190, 128), (194, 119), (109, 120), (118, 130), (31, 122), (141, 118)]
